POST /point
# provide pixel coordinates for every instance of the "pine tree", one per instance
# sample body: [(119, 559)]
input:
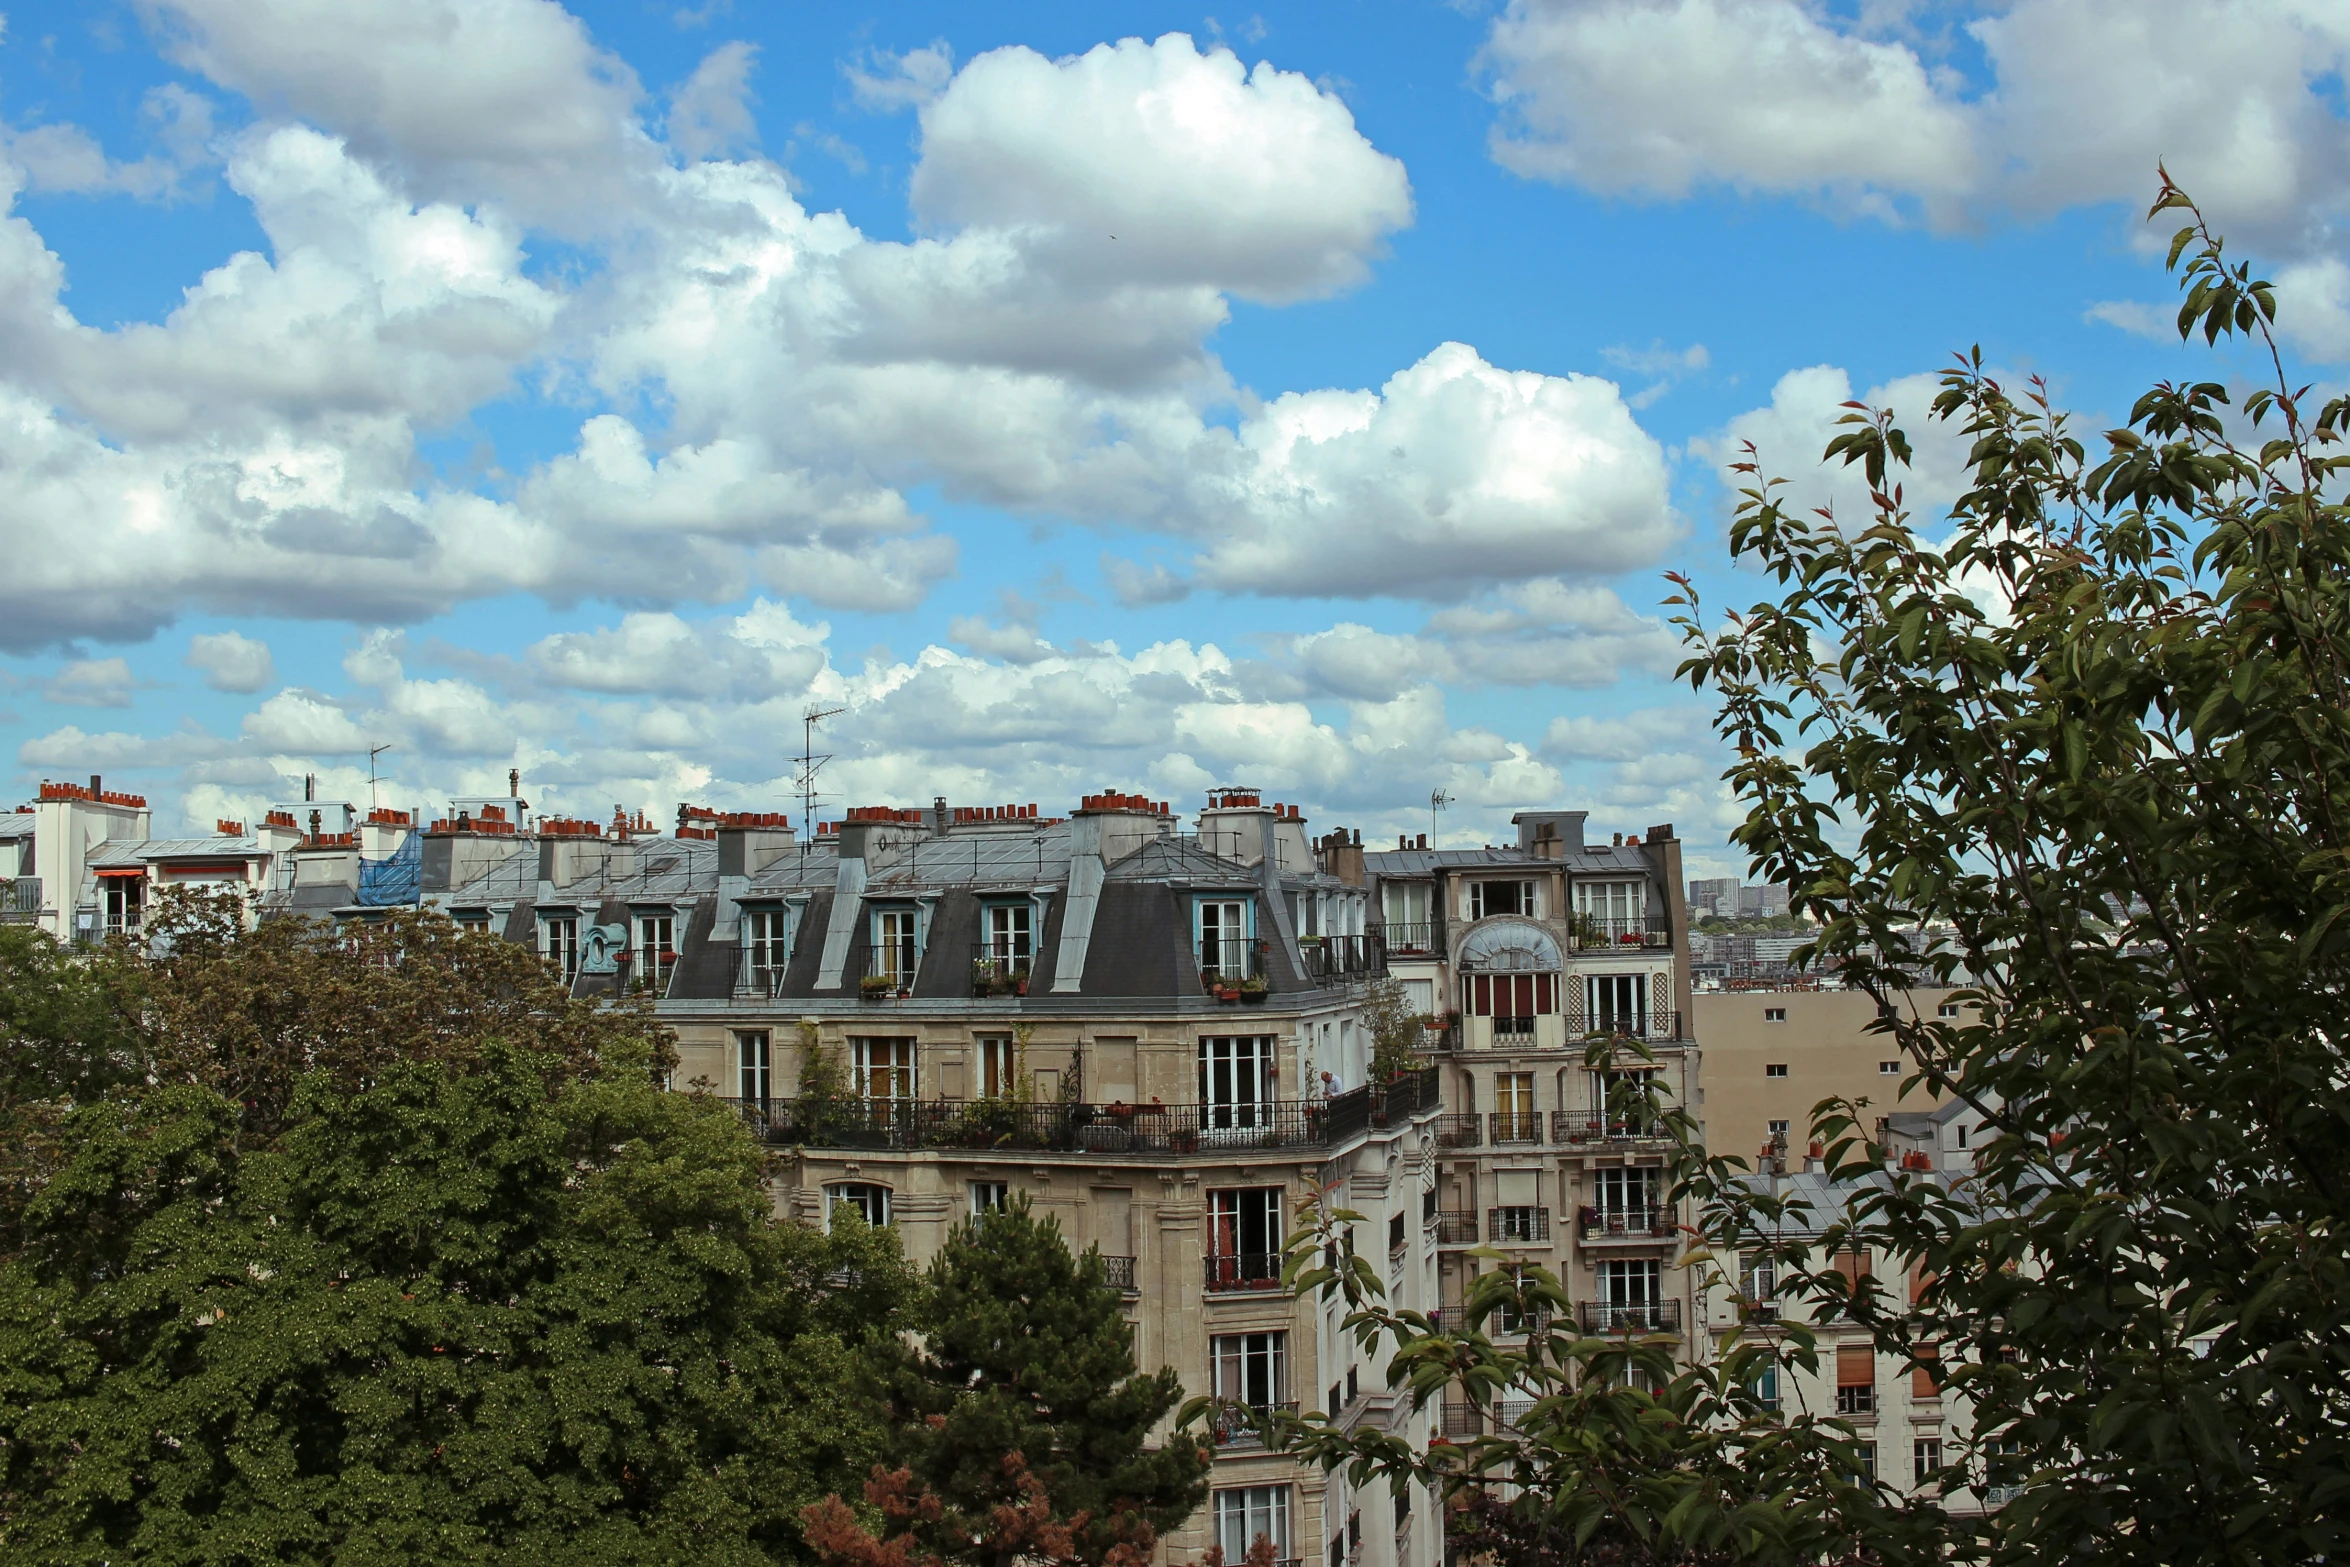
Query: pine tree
[(1029, 1352)]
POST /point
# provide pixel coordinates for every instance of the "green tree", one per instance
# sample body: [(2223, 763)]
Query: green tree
[(2089, 760), (515, 1312), (1027, 1350), (1397, 1032)]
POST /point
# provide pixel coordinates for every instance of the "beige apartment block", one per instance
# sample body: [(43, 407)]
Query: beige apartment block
[(1771, 1055)]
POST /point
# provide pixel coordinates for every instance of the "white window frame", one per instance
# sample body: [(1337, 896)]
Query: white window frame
[(999, 1066), (767, 939), (1630, 1281), (891, 1058), (754, 1059), (1613, 990), (864, 1196), (559, 942), (656, 933), (1244, 1514), (1626, 1189), (896, 938), (1611, 900), (1526, 898), (989, 1197), (1009, 934), (1215, 922), (1238, 1079), (1252, 1368)]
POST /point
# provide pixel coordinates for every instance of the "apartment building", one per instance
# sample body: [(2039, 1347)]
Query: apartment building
[(1771, 1055), (1124, 1016), (1523, 955)]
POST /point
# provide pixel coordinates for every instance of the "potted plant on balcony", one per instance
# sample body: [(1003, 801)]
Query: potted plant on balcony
[(1019, 982), (1253, 990), (984, 981), (876, 987)]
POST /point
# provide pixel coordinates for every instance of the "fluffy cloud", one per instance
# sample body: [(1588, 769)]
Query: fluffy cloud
[(1790, 433), (502, 100), (92, 682), (1157, 164), (231, 662), (2079, 98), (1453, 475)]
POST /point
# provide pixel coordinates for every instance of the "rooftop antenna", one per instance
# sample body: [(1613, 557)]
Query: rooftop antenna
[(372, 754), (1437, 801), (809, 763)]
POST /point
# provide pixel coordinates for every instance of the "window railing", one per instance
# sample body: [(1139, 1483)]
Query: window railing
[(1234, 1426), (1608, 1316), (1248, 1270), (1232, 965), (1000, 968), (1456, 1227), (1118, 1273), (1459, 1130), (1626, 1223), (1521, 1225), (1144, 1131), (1336, 959), (1583, 1023), (20, 898), (1594, 930), (1461, 1419), (1515, 1126), (1417, 937), (895, 962), (1512, 1026), (1585, 1126)]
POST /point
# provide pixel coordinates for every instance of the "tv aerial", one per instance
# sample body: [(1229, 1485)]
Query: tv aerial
[(810, 763), (1437, 801)]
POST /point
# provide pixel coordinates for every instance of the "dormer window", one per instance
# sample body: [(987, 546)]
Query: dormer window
[(1488, 898), (1220, 939), (1010, 942), (656, 949), (897, 944)]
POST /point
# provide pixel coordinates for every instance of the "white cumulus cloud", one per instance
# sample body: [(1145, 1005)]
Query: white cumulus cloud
[(231, 662)]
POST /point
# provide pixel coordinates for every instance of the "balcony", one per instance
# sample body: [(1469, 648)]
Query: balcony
[(1514, 1126), (1000, 968), (1609, 1316), (1456, 1227), (1144, 1131), (1233, 970), (1517, 1226), (1118, 1274), (1585, 1126), (1458, 1131), (1591, 932), (1414, 938), (1234, 1426), (889, 971), (1662, 1023), (20, 900), (1249, 1271), (1335, 960), (1599, 1225), (1463, 1420)]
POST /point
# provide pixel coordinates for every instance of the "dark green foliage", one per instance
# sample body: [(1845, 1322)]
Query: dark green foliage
[(1029, 1351), (2090, 758), (67, 1020), (509, 1314)]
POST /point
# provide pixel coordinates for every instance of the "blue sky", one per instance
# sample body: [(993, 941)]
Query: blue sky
[(1081, 396)]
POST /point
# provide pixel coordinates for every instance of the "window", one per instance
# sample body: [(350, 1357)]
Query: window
[(897, 945), (1925, 1457), (1419, 996), (1397, 1238), (1856, 1379), (1222, 947), (1758, 1276), (884, 1068), (472, 922), (1617, 1003), (1513, 1001), (1405, 906), (1488, 898), (1631, 1290), (1628, 1193), (750, 1054), (1947, 1009), (656, 950), (1779, 1130), (1622, 1101), (1962, 1137), (1244, 1236), (126, 903), (1236, 1082), (1513, 1108), (999, 1066), (1775, 1069), (767, 941), (1247, 1515), (1006, 931), (1774, 1014), (989, 1197), (1925, 1381), (1765, 1388), (1888, 1069), (559, 943), (1251, 1367), (1519, 1224), (1616, 901), (871, 1202), (1868, 1459)]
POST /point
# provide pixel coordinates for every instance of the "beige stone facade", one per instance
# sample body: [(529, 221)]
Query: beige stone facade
[(1771, 1055)]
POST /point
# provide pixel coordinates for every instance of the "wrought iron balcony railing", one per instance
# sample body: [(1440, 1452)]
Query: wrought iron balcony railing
[(1626, 1224), (1611, 1316), (1516, 1226), (1456, 1227), (1515, 1126), (1118, 1273), (1234, 1427), (1331, 960), (1250, 1270)]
